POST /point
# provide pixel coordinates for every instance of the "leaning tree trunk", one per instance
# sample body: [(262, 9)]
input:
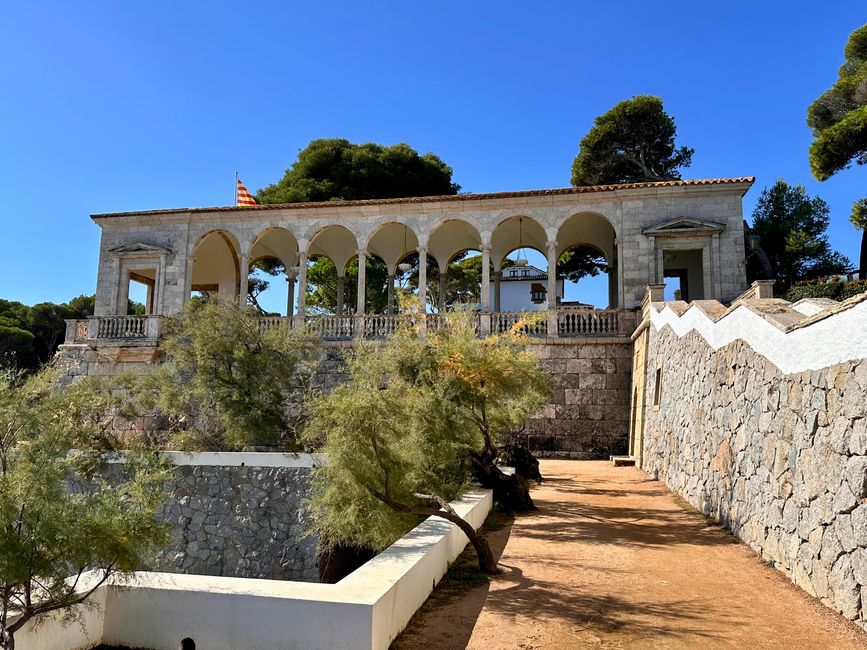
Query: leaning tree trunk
[(487, 563), (511, 493)]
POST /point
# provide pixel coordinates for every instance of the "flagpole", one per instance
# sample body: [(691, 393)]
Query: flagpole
[(236, 190)]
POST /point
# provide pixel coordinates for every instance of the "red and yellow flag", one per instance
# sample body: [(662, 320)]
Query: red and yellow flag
[(244, 198)]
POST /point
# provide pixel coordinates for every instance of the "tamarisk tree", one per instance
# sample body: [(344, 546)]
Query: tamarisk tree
[(409, 430), (64, 531)]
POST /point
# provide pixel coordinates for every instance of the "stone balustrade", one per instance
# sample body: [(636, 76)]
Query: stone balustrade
[(113, 328), (563, 322)]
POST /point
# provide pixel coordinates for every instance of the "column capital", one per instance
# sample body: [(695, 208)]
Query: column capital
[(551, 244), (361, 251), (485, 248)]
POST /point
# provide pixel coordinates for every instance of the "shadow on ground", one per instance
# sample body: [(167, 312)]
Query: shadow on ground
[(463, 582)]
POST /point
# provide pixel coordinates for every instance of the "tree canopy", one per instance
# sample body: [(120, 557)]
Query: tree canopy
[(839, 122), (335, 168), (227, 382), (633, 142), (29, 336), (791, 227), (407, 429), (50, 534)]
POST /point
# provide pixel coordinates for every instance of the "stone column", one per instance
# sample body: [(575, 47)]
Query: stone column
[(660, 266), (422, 278), (497, 276), (389, 288), (552, 274), (486, 278), (707, 274), (621, 284), (244, 286), (290, 293), (443, 284), (341, 289), (717, 266), (362, 287), (302, 285)]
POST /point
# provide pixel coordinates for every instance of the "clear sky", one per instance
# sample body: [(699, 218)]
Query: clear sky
[(115, 106)]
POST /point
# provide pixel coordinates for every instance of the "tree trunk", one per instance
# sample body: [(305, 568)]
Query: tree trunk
[(487, 563), (862, 264), (511, 493)]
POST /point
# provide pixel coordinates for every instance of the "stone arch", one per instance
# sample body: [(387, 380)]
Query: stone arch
[(594, 231), (451, 236), (275, 241), (336, 242), (514, 232), (216, 266), (391, 241)]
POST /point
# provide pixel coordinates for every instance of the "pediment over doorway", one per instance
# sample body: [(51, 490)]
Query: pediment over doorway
[(139, 248), (684, 226)]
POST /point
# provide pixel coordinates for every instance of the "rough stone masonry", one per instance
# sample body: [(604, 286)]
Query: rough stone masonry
[(779, 459)]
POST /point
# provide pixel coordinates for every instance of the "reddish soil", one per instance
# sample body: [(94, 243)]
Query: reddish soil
[(610, 560)]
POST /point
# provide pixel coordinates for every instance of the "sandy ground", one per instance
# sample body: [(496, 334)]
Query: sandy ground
[(611, 561)]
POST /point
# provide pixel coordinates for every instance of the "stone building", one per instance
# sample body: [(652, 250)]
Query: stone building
[(689, 229)]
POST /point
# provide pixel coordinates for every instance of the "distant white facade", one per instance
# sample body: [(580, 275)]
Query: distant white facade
[(523, 288)]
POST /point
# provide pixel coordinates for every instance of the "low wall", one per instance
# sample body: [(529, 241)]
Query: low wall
[(367, 609), (772, 444), (240, 515)]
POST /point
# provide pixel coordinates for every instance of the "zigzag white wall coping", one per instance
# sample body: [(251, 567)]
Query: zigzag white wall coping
[(824, 341), (367, 609)]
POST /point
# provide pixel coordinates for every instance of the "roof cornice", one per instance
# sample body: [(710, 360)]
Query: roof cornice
[(627, 188)]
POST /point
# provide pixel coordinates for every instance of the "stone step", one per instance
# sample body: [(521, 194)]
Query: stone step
[(623, 461)]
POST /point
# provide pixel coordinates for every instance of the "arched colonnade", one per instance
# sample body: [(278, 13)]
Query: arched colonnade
[(222, 257)]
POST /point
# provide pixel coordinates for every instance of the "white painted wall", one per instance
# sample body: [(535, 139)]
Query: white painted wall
[(515, 293), (367, 609), (838, 338)]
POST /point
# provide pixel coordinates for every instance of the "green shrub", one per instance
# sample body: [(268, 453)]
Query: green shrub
[(835, 290)]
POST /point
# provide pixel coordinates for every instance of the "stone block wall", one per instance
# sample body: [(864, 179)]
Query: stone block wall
[(780, 459), (588, 416), (238, 520)]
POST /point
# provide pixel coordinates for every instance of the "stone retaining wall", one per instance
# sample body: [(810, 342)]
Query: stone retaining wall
[(238, 520), (587, 418), (780, 459)]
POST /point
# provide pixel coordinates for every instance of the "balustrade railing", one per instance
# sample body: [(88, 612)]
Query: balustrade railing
[(270, 322), (331, 328), (113, 328), (505, 320), (588, 322), (381, 326), (570, 322)]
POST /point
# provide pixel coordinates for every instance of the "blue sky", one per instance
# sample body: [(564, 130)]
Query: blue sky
[(111, 106)]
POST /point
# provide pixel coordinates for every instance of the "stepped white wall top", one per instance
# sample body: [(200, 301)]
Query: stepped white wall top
[(826, 338)]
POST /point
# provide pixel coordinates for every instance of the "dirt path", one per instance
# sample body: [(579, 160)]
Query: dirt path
[(611, 561)]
